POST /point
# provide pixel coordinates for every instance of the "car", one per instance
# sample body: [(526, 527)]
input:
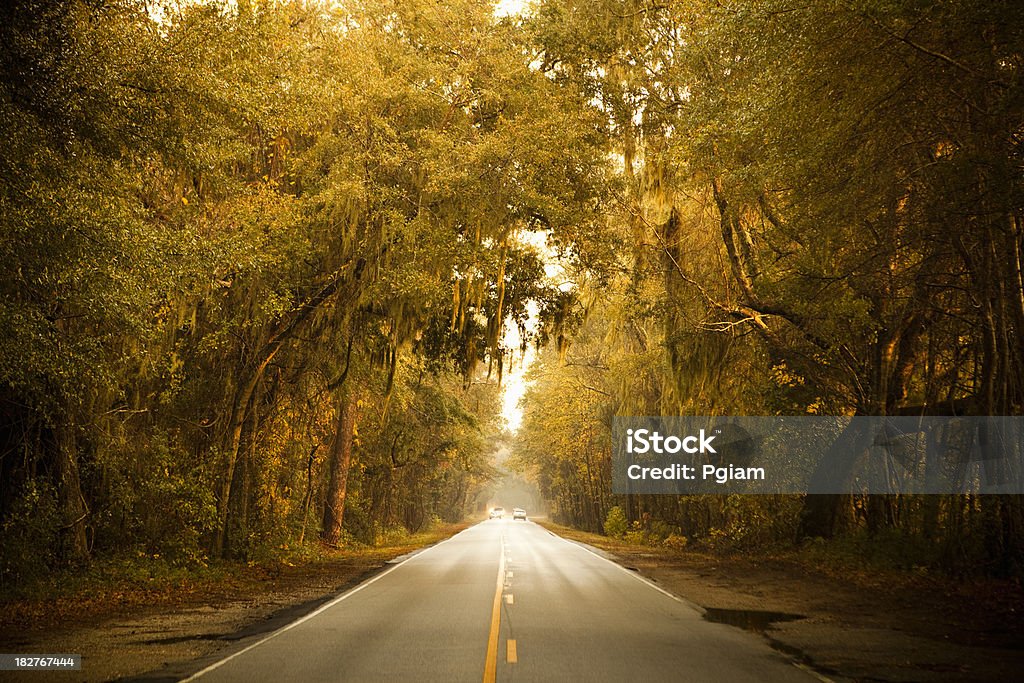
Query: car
[(497, 512), (519, 513)]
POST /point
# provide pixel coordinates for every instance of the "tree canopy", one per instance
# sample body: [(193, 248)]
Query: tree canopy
[(261, 257)]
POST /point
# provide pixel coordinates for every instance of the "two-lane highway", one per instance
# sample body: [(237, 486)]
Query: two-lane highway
[(505, 601)]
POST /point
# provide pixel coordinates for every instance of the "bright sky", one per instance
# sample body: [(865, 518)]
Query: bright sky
[(513, 383), (506, 7)]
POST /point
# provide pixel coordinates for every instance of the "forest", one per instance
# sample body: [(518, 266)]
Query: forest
[(263, 260)]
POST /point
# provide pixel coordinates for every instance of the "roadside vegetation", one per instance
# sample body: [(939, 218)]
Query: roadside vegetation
[(818, 210), (260, 259)]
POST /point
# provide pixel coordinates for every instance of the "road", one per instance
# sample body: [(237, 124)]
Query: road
[(505, 601)]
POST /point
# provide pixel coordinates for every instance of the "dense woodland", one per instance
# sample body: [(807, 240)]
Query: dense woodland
[(818, 210), (260, 259)]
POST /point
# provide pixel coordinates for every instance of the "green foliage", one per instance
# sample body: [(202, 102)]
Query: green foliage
[(615, 524), (390, 536), (220, 221), (655, 532), (892, 549), (814, 200), (28, 536), (220, 224), (676, 542)]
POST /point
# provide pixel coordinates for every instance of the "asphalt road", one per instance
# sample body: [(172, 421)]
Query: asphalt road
[(506, 601)]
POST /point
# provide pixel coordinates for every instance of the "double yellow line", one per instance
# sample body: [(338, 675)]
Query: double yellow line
[(491, 663)]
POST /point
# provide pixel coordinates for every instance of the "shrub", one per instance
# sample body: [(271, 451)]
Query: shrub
[(390, 535), (29, 535), (676, 542), (616, 524), (658, 530)]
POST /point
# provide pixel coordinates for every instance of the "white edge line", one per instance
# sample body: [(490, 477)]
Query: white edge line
[(326, 606), (811, 672), (803, 667)]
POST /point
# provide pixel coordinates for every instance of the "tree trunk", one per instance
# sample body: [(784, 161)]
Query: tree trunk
[(339, 457), (239, 413), (824, 514), (244, 393), (74, 542), (308, 499)]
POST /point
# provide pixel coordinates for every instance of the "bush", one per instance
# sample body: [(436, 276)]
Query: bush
[(390, 535), (676, 542), (29, 535), (616, 524), (658, 531), (636, 535)]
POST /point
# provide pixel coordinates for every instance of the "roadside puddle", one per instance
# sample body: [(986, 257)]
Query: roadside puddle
[(748, 619), (759, 621)]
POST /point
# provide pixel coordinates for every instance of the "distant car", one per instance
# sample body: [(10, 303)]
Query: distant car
[(497, 512), (519, 513)]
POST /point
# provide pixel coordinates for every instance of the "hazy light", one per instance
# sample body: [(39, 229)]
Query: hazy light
[(513, 388), (514, 382), (505, 8)]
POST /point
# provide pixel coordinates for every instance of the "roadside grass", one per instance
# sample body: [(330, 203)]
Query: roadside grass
[(129, 583), (601, 541)]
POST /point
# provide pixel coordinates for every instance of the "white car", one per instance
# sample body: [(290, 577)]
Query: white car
[(519, 513), (497, 513)]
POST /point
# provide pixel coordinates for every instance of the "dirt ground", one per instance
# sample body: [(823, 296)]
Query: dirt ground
[(866, 627)]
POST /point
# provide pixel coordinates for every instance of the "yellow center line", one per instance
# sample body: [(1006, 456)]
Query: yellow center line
[(510, 652), (491, 663)]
